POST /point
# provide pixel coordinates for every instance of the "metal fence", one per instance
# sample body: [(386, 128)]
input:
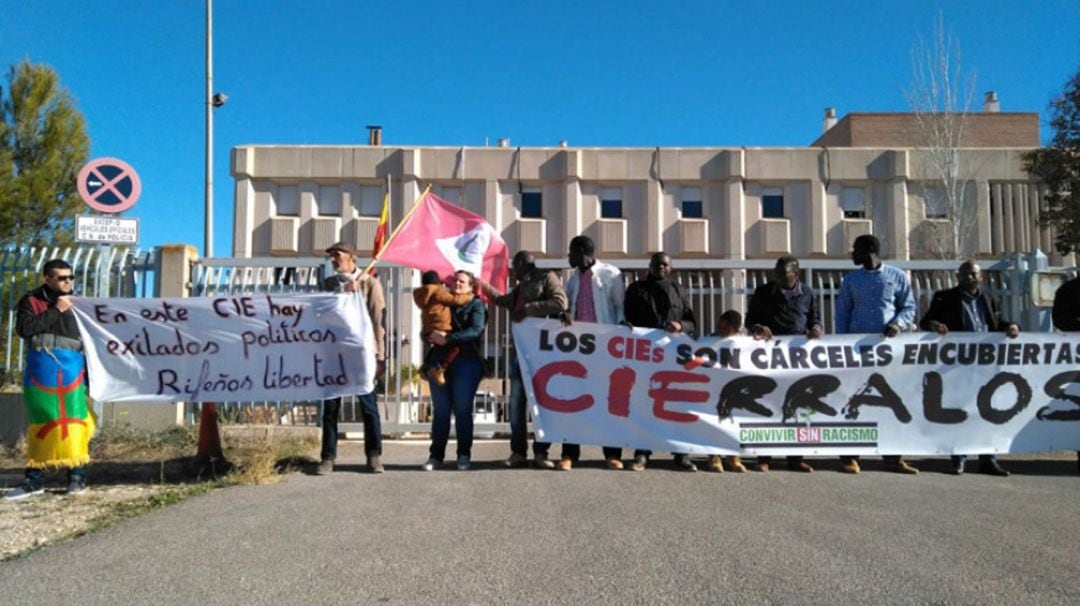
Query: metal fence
[(100, 271), (713, 285)]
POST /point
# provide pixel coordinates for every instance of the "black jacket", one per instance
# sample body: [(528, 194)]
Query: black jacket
[(769, 307), (653, 303), (1067, 306), (947, 307), (36, 314)]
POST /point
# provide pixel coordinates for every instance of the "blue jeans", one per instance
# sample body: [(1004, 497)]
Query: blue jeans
[(519, 442), (456, 396), (369, 413), (35, 478)]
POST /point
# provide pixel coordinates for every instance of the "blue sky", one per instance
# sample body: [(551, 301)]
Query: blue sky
[(461, 73)]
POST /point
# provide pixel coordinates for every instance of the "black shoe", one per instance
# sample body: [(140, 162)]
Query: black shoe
[(957, 468), (683, 463), (991, 468)]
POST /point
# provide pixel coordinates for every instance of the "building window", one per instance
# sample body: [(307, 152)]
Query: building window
[(772, 203), (611, 203), (853, 202), (368, 201), (452, 194), (532, 204), (934, 202), (330, 201), (691, 203), (287, 201)]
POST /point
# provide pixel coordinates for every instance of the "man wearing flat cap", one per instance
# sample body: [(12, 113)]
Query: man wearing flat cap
[(347, 279)]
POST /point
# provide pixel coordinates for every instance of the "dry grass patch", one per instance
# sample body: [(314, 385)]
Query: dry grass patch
[(135, 471)]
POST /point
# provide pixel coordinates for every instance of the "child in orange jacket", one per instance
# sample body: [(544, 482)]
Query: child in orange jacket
[(434, 301)]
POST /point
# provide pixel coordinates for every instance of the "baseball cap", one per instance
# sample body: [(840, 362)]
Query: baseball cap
[(344, 247)]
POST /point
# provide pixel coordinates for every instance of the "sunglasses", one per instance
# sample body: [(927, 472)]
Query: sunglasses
[(67, 278)]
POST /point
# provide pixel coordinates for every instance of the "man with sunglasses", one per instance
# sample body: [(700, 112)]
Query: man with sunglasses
[(54, 384)]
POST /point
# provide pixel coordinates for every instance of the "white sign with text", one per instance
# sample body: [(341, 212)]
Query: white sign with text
[(227, 349)]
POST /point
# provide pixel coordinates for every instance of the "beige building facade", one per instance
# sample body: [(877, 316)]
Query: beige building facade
[(723, 203)]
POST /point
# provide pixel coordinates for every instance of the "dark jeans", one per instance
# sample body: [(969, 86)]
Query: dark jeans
[(369, 413), (519, 441), (889, 459), (987, 458), (648, 453), (573, 452), (35, 478), (455, 396)]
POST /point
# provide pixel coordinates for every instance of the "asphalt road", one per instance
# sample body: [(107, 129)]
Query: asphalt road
[(496, 536)]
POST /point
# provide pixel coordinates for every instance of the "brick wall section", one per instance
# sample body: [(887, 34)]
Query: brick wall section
[(1012, 129)]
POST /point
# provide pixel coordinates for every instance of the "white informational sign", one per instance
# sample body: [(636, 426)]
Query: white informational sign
[(226, 349), (915, 394), (106, 230)]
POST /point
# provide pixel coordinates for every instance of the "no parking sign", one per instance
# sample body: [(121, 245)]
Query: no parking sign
[(109, 185)]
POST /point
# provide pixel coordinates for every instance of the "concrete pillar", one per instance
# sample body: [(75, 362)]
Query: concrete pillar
[(982, 218), (655, 221), (733, 229), (819, 224), (173, 273), (898, 224)]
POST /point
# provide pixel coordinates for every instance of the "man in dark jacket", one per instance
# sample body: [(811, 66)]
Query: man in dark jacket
[(784, 306), (60, 420), (1067, 315), (967, 308), (659, 302), (538, 294)]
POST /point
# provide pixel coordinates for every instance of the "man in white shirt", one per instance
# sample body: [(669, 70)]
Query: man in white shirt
[(595, 292)]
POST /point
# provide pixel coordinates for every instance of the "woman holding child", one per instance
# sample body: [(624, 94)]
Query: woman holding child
[(460, 377)]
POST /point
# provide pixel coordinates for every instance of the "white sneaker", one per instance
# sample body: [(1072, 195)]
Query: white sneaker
[(431, 465), (23, 492), (463, 464)]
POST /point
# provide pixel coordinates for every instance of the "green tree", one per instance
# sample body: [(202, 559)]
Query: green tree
[(43, 144), (1058, 166)]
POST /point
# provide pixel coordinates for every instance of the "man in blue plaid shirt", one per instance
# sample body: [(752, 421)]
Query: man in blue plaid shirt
[(876, 298)]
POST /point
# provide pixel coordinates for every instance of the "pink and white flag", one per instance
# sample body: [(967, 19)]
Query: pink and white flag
[(442, 236)]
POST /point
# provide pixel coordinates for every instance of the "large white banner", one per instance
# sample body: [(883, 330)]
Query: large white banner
[(855, 394), (237, 348)]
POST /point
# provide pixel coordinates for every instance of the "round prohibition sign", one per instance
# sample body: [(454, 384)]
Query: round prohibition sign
[(109, 185)]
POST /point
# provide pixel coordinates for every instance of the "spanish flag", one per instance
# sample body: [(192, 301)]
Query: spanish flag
[(61, 424), (380, 232)]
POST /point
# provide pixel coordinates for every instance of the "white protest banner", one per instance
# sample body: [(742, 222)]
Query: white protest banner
[(854, 394), (258, 347)]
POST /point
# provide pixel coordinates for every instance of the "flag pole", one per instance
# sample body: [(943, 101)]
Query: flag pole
[(404, 220)]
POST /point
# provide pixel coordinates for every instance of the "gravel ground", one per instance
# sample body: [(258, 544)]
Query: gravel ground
[(54, 516)]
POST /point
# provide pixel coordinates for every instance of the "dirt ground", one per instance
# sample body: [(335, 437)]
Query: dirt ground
[(134, 472)]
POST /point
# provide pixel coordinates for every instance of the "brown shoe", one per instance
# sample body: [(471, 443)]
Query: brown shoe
[(614, 464), (800, 466), (850, 466), (735, 464), (902, 466), (762, 467), (715, 464), (564, 465)]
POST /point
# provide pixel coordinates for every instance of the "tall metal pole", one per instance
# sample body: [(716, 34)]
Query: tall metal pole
[(208, 238)]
